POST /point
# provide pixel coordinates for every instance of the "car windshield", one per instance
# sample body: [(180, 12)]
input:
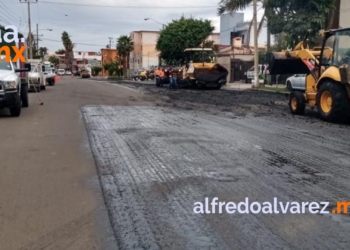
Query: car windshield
[(47, 68), (5, 65)]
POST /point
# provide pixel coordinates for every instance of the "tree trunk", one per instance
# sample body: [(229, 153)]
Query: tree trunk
[(268, 36), (124, 66), (332, 19)]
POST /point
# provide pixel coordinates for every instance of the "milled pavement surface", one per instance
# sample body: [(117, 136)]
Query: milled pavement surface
[(50, 196)]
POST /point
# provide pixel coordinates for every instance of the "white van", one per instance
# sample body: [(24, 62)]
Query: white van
[(61, 72), (249, 75)]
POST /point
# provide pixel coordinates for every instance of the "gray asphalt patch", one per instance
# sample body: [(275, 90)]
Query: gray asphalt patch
[(155, 163)]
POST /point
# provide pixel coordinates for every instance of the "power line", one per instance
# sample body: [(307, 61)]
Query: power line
[(130, 6), (6, 13), (100, 45)]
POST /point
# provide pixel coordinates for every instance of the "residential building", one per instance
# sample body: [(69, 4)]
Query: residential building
[(107, 56), (214, 37), (145, 55), (87, 58), (233, 25), (227, 24), (344, 20)]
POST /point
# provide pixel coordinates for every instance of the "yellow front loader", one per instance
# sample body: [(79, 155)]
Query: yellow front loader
[(327, 84)]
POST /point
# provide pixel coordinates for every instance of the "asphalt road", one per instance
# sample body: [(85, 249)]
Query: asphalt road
[(156, 162), (157, 152), (50, 196)]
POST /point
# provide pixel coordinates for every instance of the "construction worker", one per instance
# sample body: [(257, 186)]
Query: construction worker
[(161, 77), (172, 79), (157, 73)]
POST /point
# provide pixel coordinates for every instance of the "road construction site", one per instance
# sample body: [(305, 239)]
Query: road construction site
[(107, 165)]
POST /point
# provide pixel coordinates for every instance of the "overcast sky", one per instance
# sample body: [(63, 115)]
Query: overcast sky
[(92, 25)]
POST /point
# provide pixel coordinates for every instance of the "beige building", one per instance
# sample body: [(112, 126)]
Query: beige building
[(214, 37), (344, 20), (145, 55)]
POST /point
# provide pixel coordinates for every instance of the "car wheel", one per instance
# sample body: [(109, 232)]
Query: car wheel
[(16, 110), (24, 96)]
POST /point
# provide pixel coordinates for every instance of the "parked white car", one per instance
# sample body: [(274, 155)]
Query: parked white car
[(250, 74), (296, 82), (36, 76), (61, 72)]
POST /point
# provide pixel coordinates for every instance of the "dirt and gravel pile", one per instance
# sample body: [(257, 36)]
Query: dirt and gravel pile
[(243, 102)]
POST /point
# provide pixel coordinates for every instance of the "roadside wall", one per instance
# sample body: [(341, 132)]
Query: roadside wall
[(226, 62)]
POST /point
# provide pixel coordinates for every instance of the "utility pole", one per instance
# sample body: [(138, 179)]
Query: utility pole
[(110, 42), (256, 49), (37, 38), (30, 26)]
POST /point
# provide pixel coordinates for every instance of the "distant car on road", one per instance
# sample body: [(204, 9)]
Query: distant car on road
[(296, 82), (85, 74), (61, 72), (68, 72)]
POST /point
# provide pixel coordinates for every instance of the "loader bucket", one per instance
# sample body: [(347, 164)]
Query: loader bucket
[(281, 64), (210, 75)]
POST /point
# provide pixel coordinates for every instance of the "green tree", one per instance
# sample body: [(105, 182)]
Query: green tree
[(124, 47), (60, 52), (181, 34), (42, 51), (295, 17), (54, 60), (68, 46), (211, 44), (113, 68), (235, 5), (96, 70)]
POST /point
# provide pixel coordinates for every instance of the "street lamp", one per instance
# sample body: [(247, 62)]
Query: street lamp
[(149, 18), (37, 34)]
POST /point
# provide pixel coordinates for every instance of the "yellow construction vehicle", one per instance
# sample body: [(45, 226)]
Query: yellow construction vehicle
[(201, 69), (327, 70)]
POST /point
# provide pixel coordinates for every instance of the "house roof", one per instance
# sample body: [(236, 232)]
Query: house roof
[(145, 31)]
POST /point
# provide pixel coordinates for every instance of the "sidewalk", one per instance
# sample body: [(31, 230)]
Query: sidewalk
[(237, 86)]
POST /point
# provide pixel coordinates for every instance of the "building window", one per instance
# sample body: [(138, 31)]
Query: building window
[(242, 39)]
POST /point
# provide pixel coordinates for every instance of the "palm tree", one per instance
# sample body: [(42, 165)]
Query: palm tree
[(234, 5), (43, 51), (68, 46), (124, 46)]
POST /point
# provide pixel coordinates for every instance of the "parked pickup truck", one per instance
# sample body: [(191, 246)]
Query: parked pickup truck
[(13, 91)]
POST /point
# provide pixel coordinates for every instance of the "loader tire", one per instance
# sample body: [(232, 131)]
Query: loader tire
[(297, 102), (332, 102)]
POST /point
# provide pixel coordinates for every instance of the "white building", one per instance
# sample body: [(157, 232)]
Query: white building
[(233, 25), (87, 58), (344, 20)]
